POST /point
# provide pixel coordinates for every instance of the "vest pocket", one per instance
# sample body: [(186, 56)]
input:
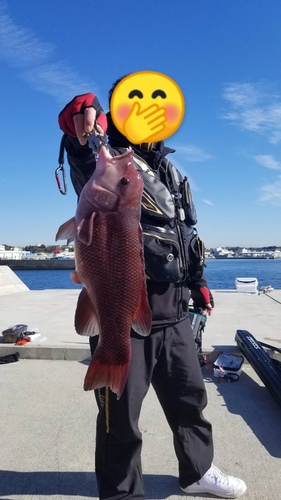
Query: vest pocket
[(162, 254)]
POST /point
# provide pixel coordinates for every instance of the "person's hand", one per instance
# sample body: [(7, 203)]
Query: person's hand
[(203, 299), (208, 301), (208, 310), (84, 124), (80, 115)]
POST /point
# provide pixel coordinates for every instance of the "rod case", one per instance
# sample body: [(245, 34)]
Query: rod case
[(267, 368)]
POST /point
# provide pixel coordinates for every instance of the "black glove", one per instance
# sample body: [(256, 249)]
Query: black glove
[(202, 298)]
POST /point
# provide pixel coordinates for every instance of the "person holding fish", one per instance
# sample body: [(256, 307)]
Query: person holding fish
[(139, 259)]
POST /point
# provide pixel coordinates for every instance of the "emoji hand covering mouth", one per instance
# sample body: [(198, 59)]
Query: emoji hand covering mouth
[(147, 107)]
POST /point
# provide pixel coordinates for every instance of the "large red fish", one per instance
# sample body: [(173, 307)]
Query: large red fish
[(109, 263)]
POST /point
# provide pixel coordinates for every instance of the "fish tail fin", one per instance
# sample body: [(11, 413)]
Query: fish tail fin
[(102, 375), (142, 318)]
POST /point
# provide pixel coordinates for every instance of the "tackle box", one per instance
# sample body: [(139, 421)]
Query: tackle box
[(228, 364), (12, 334)]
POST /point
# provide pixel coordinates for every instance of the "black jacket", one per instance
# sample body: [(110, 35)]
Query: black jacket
[(168, 301)]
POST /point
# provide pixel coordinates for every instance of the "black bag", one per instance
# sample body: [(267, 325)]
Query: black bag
[(196, 256), (173, 251), (188, 204), (13, 333)]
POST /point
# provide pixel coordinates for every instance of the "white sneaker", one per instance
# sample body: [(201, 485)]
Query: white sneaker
[(218, 484)]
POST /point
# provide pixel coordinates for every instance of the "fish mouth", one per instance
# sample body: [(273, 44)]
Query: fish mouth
[(128, 152)]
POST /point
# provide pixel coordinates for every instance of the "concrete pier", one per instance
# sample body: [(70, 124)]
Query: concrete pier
[(48, 421), (9, 282)]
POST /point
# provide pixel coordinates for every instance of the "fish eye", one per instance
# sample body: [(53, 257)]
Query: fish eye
[(124, 181), (158, 93), (135, 93)]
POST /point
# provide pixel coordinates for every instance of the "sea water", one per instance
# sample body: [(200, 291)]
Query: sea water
[(220, 273)]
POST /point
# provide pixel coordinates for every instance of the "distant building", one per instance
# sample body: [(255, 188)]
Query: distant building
[(255, 254), (277, 254), (209, 253), (220, 252), (14, 254)]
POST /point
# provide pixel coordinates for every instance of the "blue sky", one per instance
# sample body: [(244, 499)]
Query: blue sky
[(225, 55)]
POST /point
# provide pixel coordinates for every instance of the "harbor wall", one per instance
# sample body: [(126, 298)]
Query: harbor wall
[(32, 264)]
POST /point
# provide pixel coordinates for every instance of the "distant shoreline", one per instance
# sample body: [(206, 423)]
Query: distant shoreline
[(57, 264), (241, 258), (32, 264)]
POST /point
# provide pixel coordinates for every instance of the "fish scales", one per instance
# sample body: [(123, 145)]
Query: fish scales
[(110, 265), (116, 282)]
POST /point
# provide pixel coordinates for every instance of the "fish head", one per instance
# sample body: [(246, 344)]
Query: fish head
[(115, 183), (129, 182)]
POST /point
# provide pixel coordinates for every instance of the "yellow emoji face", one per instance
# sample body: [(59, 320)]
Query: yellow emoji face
[(147, 107)]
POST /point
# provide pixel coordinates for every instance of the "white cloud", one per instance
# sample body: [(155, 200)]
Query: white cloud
[(50, 79), (18, 46), (268, 161), (21, 49), (253, 108), (271, 193), (192, 153), (208, 202), (241, 94)]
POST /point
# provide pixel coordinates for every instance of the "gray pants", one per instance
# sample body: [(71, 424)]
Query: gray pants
[(168, 360)]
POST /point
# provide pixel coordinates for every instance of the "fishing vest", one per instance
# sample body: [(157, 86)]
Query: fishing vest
[(173, 251)]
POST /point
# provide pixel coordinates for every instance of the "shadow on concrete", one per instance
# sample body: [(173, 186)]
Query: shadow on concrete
[(85, 361), (160, 486), (48, 483), (71, 484), (254, 404), (230, 348)]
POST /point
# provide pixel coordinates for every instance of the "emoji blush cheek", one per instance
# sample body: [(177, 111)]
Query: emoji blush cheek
[(122, 111), (172, 112)]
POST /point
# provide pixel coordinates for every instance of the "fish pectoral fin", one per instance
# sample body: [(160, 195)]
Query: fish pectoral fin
[(75, 278), (85, 322), (85, 229), (142, 319), (67, 231)]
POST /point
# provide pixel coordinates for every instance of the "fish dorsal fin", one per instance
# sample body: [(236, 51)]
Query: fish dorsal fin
[(67, 231), (142, 319), (86, 322)]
